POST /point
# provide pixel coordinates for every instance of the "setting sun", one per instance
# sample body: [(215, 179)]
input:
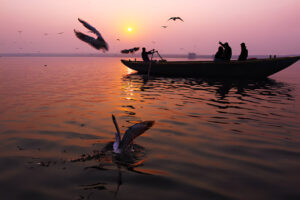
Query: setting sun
[(129, 29)]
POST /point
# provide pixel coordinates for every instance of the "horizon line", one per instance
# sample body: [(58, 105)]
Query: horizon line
[(122, 55)]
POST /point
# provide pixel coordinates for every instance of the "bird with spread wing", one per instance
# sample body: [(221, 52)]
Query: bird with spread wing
[(175, 18), (132, 50), (98, 43), (121, 146)]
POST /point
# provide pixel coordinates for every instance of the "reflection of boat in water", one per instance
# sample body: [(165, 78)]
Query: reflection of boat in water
[(256, 68), (217, 86)]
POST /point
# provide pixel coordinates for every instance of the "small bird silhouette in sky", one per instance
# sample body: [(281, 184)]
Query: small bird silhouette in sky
[(175, 18)]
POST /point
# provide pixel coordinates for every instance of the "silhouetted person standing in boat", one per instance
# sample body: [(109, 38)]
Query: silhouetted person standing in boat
[(227, 51), (145, 54), (244, 52), (219, 54)]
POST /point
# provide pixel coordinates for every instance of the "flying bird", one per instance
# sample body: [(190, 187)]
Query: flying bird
[(125, 51), (124, 145), (175, 18), (164, 26), (60, 33), (118, 39), (132, 50), (98, 43)]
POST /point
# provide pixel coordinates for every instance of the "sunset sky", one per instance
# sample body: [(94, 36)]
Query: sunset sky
[(266, 26)]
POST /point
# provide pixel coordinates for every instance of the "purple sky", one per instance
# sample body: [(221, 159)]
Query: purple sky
[(266, 26)]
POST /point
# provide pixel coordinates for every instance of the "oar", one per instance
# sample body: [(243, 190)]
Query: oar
[(149, 68), (160, 56)]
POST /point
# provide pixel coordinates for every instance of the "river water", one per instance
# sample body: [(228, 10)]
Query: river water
[(212, 139)]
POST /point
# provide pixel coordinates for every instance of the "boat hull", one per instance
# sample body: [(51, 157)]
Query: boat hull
[(257, 68)]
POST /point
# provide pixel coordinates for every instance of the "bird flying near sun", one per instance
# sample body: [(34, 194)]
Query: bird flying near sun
[(175, 18)]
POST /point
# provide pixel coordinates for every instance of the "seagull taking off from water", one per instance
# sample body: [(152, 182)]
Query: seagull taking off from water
[(124, 145), (98, 43), (175, 18)]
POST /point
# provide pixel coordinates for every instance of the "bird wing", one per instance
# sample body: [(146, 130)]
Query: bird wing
[(171, 18), (132, 50), (84, 37), (133, 132), (91, 28), (96, 43), (179, 18), (125, 51)]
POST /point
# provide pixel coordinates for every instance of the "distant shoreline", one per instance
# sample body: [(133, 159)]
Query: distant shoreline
[(117, 55), (93, 55)]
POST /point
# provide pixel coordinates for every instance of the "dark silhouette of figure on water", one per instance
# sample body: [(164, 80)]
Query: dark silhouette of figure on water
[(145, 54), (244, 52), (227, 51), (219, 54)]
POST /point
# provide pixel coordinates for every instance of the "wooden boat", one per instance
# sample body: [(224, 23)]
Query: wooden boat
[(252, 68)]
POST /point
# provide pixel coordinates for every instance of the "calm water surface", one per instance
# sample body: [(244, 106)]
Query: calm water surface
[(212, 139)]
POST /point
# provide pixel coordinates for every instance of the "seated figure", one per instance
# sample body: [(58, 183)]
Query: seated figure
[(244, 52), (219, 54)]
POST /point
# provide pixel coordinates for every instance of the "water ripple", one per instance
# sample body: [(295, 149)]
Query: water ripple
[(213, 138)]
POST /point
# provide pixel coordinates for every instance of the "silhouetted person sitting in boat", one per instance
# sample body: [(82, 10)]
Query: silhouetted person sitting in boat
[(145, 54), (219, 54), (227, 51), (244, 52)]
